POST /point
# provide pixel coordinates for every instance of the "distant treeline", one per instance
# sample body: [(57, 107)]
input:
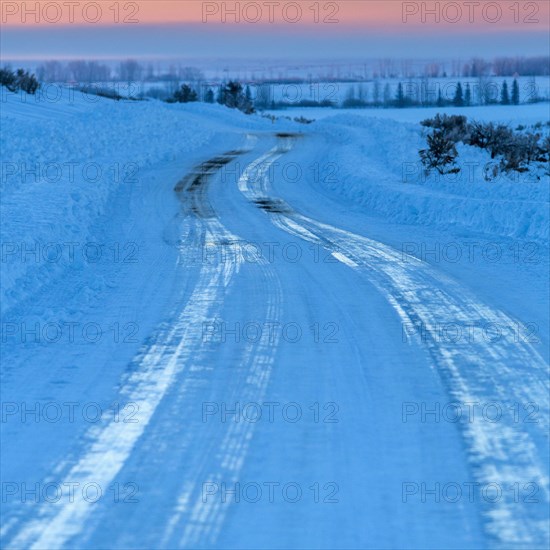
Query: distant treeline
[(421, 94), (424, 92), (401, 95), (130, 70)]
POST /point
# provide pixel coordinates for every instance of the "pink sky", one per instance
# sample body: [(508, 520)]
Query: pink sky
[(391, 15), (272, 28)]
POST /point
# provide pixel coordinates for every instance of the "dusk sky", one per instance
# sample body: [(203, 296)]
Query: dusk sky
[(303, 29)]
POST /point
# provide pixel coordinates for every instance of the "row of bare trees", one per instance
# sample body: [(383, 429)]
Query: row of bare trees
[(131, 70), (474, 67)]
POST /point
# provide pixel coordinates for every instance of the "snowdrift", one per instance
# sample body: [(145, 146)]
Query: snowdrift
[(379, 169)]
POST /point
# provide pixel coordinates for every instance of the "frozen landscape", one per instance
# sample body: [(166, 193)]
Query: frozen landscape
[(274, 275), (230, 331)]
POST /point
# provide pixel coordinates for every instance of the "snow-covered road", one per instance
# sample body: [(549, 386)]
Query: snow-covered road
[(290, 386)]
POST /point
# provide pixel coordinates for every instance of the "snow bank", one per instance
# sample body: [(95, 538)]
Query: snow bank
[(379, 169), (66, 160)]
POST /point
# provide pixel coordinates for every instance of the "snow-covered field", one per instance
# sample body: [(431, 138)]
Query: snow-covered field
[(514, 115), (381, 338)]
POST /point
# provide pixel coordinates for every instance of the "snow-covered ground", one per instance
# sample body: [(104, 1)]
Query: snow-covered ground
[(382, 339), (516, 114)]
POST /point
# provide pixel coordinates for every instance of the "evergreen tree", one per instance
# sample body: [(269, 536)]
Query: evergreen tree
[(7, 79), (233, 96), (221, 95), (233, 92), (515, 92), (209, 96), (400, 97), (504, 96), (376, 93), (387, 94), (458, 100), (361, 93), (350, 100), (441, 153), (468, 95), (20, 80), (185, 94)]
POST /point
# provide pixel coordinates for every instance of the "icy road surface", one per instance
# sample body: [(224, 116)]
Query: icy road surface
[(287, 386)]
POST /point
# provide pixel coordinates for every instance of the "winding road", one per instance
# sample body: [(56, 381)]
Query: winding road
[(280, 402)]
